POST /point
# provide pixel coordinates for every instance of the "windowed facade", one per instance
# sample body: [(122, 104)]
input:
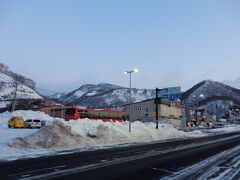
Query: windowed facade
[(145, 111)]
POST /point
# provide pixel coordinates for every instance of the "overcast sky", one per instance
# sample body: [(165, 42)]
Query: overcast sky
[(64, 44)]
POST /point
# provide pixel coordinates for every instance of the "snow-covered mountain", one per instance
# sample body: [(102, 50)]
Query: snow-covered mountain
[(104, 95), (212, 96), (7, 90)]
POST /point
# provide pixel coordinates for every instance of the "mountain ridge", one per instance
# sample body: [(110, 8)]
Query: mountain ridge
[(99, 96), (213, 96), (104, 95)]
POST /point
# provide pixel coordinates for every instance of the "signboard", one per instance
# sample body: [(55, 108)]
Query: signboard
[(171, 93)]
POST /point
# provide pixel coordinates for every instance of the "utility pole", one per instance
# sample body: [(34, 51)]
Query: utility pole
[(156, 102), (15, 96)]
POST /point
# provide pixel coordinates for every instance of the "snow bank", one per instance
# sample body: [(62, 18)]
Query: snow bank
[(4, 117), (8, 153), (82, 134), (89, 133), (226, 129), (52, 135)]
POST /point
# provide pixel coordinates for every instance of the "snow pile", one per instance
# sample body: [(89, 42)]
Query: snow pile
[(8, 153), (52, 135), (226, 129), (81, 134), (89, 133), (195, 133), (4, 117)]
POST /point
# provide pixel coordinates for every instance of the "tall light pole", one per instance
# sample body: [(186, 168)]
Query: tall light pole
[(130, 96), (201, 96)]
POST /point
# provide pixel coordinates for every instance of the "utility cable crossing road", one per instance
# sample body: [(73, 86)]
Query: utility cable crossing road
[(129, 162)]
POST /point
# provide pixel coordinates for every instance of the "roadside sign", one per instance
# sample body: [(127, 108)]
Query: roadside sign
[(171, 93)]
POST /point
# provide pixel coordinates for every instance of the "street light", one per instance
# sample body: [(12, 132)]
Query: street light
[(130, 97), (198, 103), (194, 96)]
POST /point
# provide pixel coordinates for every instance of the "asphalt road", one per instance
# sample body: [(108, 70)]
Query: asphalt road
[(132, 162), (223, 166)]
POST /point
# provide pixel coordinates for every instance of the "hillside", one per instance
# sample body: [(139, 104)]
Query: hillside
[(215, 96), (104, 95), (7, 90), (25, 81)]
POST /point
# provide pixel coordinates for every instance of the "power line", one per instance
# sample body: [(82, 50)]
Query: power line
[(50, 91)]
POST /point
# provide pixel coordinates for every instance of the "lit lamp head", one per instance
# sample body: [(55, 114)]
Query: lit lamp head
[(135, 70)]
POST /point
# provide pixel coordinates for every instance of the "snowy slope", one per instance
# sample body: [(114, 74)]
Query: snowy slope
[(7, 89), (104, 95), (216, 96)]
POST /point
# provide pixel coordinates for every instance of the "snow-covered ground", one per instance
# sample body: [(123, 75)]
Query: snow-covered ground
[(85, 134), (225, 129)]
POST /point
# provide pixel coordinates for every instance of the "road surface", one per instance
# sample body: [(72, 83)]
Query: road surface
[(146, 161)]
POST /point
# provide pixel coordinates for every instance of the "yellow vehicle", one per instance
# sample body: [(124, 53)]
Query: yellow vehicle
[(16, 122)]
